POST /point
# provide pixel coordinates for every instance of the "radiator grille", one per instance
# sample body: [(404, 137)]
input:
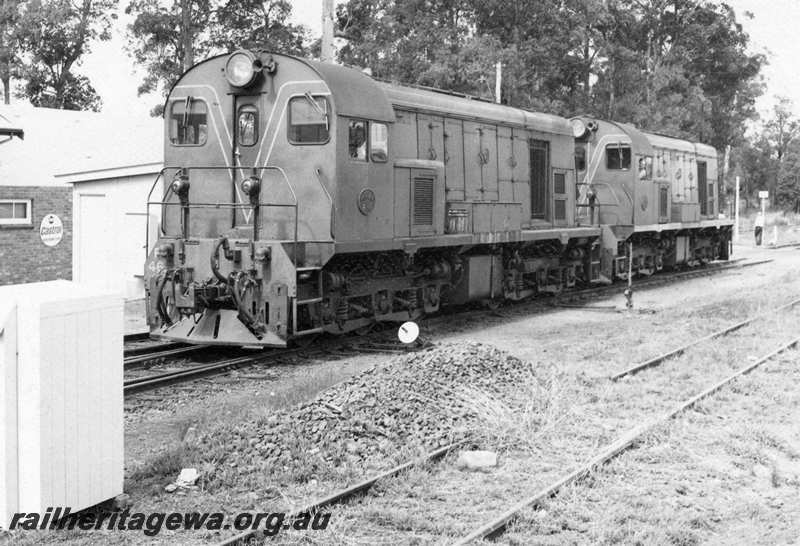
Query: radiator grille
[(561, 209), (423, 201)]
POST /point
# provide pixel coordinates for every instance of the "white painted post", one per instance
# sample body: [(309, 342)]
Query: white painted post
[(736, 213), (327, 48), (498, 80)]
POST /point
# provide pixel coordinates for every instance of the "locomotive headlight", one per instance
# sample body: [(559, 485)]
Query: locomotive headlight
[(579, 128), (180, 185), (251, 186), (242, 68)]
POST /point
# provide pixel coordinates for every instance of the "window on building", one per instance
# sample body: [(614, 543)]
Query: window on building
[(378, 142), (188, 122), (308, 120), (618, 157), (247, 126), (15, 212), (357, 139)]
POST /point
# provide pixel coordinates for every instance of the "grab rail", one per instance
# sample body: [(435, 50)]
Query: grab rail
[(169, 192)]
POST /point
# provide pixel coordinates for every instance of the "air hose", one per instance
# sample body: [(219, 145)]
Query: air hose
[(223, 242), (244, 314), (160, 306)]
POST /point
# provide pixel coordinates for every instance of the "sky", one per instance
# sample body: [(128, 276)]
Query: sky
[(773, 29)]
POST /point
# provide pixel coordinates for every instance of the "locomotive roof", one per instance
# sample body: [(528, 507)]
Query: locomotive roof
[(358, 95), (442, 103), (645, 142), (354, 93), (671, 143)]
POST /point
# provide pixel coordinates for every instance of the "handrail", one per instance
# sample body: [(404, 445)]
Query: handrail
[(169, 191)]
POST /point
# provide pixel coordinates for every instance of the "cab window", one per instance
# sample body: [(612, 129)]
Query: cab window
[(618, 157), (308, 120), (645, 167), (357, 139), (247, 126), (188, 123), (580, 157), (378, 142)]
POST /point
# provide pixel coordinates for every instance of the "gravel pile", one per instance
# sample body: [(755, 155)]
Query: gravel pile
[(412, 402)]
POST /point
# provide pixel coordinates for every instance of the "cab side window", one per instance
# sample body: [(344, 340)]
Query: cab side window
[(308, 120), (188, 123), (357, 139), (378, 142), (618, 157), (646, 167)]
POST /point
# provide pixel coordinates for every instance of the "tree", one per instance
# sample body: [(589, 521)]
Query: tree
[(53, 35), (9, 14), (675, 66), (169, 39), (257, 24), (781, 132)]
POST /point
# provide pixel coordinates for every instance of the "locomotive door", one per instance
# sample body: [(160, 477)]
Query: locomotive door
[(702, 187), (246, 134)]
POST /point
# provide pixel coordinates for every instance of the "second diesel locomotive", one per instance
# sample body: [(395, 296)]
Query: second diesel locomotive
[(303, 197)]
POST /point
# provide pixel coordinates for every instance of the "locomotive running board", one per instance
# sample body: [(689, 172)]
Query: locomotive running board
[(216, 327)]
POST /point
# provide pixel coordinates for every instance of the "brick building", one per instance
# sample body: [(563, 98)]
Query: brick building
[(37, 214)]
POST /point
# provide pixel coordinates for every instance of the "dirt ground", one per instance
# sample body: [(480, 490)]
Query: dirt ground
[(726, 473)]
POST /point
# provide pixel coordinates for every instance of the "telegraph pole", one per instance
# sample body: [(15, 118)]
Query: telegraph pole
[(327, 52), (498, 81), (736, 213)]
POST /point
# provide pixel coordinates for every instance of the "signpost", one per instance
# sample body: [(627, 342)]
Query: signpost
[(763, 195)]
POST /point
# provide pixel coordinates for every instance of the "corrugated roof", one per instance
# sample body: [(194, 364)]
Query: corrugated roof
[(67, 141)]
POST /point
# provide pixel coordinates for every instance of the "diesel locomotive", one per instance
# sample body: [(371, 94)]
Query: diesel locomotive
[(301, 197)]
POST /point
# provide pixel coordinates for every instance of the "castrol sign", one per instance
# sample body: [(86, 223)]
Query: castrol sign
[(51, 230)]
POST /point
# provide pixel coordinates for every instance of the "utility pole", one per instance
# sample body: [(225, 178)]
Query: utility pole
[(736, 213), (327, 52), (498, 81)]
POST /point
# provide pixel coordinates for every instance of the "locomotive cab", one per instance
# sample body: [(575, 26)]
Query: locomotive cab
[(655, 197), (247, 208)]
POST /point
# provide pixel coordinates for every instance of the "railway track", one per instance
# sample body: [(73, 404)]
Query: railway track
[(624, 442), (140, 356), (377, 343), (496, 526)]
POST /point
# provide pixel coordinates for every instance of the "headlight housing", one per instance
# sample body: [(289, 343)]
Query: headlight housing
[(251, 186), (579, 128), (242, 68), (180, 184)]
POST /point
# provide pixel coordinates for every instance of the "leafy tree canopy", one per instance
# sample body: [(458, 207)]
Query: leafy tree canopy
[(168, 37), (674, 66), (50, 37)]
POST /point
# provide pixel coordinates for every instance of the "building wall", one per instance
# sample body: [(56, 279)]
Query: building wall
[(111, 231), (24, 257)]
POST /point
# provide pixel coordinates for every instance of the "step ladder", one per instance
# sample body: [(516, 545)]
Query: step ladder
[(298, 303)]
